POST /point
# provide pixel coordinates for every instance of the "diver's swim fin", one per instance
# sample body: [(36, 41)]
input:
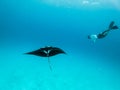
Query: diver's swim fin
[(111, 25), (115, 27)]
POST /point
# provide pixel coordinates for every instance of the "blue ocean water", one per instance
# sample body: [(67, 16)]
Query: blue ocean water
[(27, 25)]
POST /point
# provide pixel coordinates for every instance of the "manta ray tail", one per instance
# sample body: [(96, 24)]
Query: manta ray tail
[(50, 66)]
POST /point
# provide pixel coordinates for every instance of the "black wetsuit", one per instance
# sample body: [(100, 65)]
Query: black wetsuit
[(104, 33)]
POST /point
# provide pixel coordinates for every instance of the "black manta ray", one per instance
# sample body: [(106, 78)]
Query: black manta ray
[(47, 51)]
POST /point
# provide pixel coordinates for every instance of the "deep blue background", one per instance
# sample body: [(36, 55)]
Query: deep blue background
[(28, 25)]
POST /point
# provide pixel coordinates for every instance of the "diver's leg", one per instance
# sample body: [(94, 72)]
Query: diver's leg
[(105, 32)]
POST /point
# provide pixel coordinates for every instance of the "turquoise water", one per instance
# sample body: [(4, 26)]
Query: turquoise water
[(27, 25)]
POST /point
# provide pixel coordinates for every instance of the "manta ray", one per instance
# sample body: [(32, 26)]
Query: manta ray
[(47, 51)]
